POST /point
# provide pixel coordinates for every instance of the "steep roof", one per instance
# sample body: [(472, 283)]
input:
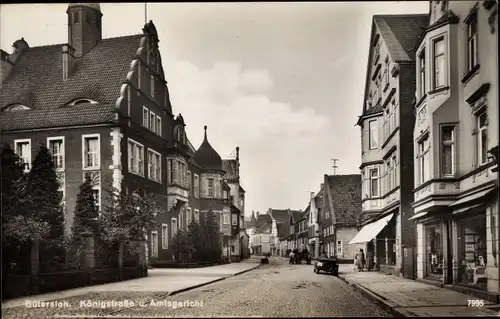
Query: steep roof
[(345, 192), (283, 230), (263, 220), (297, 215), (36, 81), (280, 215), (206, 156), (401, 33), (230, 167), (318, 199)]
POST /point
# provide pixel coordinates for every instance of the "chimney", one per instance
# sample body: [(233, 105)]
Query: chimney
[(5, 66), (322, 186), (68, 57), (237, 153), (238, 161), (19, 46), (312, 195)]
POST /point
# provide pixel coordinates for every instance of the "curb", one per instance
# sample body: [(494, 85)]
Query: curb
[(377, 298), (175, 292)]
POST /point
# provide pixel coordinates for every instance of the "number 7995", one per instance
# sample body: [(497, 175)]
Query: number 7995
[(475, 303)]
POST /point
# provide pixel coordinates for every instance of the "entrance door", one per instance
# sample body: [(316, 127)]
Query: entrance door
[(409, 262)]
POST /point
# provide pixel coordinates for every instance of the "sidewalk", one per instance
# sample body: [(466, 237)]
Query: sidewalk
[(163, 281), (410, 298)]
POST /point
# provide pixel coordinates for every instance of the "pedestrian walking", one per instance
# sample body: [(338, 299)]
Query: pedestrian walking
[(360, 260)]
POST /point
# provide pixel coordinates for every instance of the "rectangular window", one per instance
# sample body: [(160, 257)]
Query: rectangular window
[(189, 182), (448, 151), (373, 134), (145, 117), (210, 187), (439, 63), (340, 251), (234, 220), (196, 186), (23, 150), (189, 216), (91, 151), (482, 138), (226, 218), (389, 175), (76, 17), (181, 219), (56, 148), (174, 227), (386, 74), (421, 82), (423, 159), (197, 215), (152, 87), (152, 122), (472, 55), (164, 236), (374, 182), (158, 125), (394, 172), (154, 243), (154, 166), (135, 157)]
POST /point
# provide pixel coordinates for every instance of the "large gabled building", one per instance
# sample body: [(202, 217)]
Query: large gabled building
[(101, 106), (386, 123)]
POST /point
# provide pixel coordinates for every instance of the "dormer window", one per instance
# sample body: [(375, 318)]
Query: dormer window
[(83, 101), (16, 107)]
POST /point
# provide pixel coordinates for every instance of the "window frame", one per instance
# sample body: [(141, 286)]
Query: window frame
[(375, 178), (394, 172), (435, 56), (137, 164), (158, 125), (189, 216), (152, 123), (422, 89), (196, 186), (145, 112), (152, 86), (154, 248), (164, 236), (480, 129), (197, 215), (472, 58), (24, 159), (63, 150), (84, 157), (451, 143), (372, 130), (422, 151), (157, 167), (174, 230), (210, 189)]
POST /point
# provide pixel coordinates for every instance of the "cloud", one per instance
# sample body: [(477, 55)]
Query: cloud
[(234, 103)]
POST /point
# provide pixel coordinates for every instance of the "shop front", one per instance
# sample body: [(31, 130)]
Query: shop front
[(380, 244)]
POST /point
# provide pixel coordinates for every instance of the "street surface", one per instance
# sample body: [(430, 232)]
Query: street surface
[(274, 290)]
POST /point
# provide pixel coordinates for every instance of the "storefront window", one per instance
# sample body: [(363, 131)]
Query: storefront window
[(472, 251), (434, 251)]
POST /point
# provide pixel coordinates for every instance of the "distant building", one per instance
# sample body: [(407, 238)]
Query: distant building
[(342, 215), (386, 123), (295, 218), (456, 207), (315, 210), (261, 244)]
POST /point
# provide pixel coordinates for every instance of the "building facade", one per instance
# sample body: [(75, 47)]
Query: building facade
[(342, 200), (261, 241), (386, 124), (315, 208), (101, 106), (456, 146)]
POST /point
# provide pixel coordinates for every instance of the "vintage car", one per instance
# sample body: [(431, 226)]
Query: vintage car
[(328, 265)]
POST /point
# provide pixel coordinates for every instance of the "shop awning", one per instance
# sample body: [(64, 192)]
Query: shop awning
[(418, 215), (465, 209), (472, 197), (368, 232)]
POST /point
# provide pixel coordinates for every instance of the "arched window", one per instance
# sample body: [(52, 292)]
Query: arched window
[(83, 101), (16, 107)]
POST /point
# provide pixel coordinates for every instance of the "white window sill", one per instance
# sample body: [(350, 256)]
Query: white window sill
[(91, 168)]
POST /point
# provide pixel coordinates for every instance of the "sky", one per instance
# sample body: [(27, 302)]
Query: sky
[(283, 81)]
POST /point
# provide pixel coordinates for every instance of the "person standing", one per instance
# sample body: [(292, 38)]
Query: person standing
[(360, 260)]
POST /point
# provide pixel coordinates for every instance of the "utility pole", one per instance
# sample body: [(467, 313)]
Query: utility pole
[(335, 166), (145, 12)]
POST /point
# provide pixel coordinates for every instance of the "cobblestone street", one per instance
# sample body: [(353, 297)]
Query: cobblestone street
[(275, 290)]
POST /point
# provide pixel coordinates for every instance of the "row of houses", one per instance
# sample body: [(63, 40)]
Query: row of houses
[(429, 127), (330, 221), (102, 107)]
